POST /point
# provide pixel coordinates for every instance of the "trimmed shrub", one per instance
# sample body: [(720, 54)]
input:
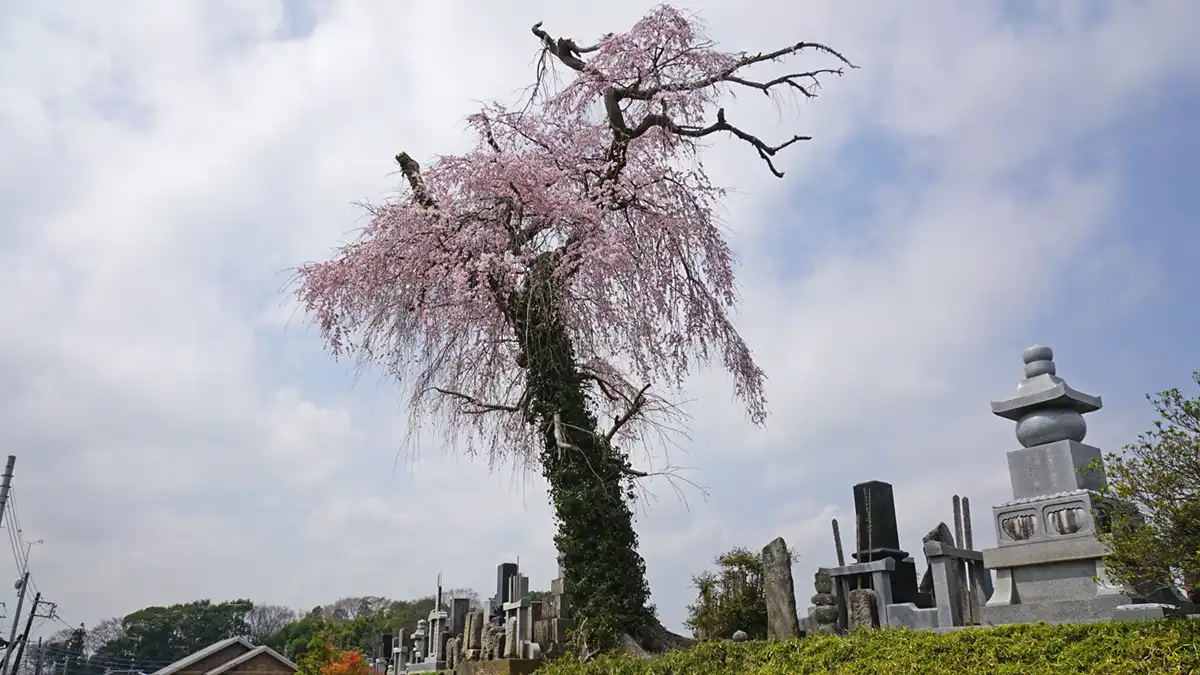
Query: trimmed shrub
[(1158, 648)]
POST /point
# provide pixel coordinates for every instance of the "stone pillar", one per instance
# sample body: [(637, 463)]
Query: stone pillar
[(941, 534), (863, 610), (780, 591), (473, 637), (459, 609), (512, 646), (402, 651), (550, 627), (946, 574)]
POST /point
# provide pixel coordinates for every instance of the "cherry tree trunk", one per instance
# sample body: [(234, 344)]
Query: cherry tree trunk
[(589, 486)]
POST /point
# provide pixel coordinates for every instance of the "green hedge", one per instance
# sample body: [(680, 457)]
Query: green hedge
[(1159, 647)]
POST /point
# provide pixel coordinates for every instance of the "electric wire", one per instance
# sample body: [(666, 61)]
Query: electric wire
[(59, 655), (22, 547), (114, 662)]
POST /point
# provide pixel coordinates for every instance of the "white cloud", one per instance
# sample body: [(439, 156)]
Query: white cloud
[(165, 164)]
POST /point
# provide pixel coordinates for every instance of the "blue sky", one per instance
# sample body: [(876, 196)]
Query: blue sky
[(985, 181)]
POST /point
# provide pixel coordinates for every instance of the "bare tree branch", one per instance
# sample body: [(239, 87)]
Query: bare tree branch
[(568, 53), (766, 152), (564, 49), (481, 407), (635, 407)]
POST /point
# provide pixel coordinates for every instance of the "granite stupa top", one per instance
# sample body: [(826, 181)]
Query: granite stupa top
[(1042, 389)]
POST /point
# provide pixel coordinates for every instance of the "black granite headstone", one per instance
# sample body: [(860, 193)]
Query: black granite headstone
[(875, 509), (878, 536), (504, 572), (459, 608)]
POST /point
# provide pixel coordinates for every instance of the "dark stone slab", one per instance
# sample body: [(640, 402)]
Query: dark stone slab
[(940, 533), (876, 531), (459, 608), (504, 572)]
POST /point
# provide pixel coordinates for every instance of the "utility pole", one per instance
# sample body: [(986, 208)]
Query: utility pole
[(24, 583), (5, 483), (37, 667), (37, 599)]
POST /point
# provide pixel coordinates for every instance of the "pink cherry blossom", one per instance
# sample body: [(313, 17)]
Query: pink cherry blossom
[(602, 179)]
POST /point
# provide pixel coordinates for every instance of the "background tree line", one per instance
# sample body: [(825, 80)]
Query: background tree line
[(151, 638)]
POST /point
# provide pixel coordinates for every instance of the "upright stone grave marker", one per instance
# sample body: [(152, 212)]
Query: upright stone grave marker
[(518, 619), (879, 538), (780, 591), (550, 630), (504, 573)]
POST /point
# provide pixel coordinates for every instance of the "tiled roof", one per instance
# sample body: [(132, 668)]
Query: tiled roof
[(233, 663), (202, 654)]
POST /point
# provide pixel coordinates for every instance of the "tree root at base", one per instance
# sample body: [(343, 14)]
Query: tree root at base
[(651, 640)]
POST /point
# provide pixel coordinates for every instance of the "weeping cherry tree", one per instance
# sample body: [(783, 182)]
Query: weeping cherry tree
[(545, 294)]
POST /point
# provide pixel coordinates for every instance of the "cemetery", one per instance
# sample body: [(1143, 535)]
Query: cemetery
[(1049, 585)]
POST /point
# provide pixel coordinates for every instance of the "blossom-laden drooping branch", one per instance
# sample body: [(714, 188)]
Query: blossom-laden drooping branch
[(597, 187)]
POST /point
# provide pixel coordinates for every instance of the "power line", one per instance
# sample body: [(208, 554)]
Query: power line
[(114, 661), (12, 535), (16, 517), (58, 654), (21, 552), (81, 668), (22, 547)]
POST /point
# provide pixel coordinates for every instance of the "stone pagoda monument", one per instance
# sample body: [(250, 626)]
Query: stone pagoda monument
[(1048, 562)]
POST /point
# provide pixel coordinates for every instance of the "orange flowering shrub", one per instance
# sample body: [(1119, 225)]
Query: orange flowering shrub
[(346, 663), (325, 658)]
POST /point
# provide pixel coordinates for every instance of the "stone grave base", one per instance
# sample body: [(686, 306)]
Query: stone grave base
[(1087, 610), (498, 667), (426, 667)]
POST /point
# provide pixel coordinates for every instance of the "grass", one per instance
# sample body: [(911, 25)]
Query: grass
[(1160, 647)]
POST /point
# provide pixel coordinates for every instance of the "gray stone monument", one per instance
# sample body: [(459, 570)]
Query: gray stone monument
[(780, 591), (550, 628), (474, 636), (460, 608), (882, 565), (1048, 562), (955, 579), (518, 620), (862, 608), (433, 635), (417, 653), (823, 615)]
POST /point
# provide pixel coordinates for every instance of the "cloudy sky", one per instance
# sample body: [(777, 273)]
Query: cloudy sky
[(996, 174)]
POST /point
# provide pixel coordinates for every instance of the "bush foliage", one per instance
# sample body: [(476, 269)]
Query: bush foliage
[(323, 657), (731, 598), (1158, 545), (1159, 647)]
